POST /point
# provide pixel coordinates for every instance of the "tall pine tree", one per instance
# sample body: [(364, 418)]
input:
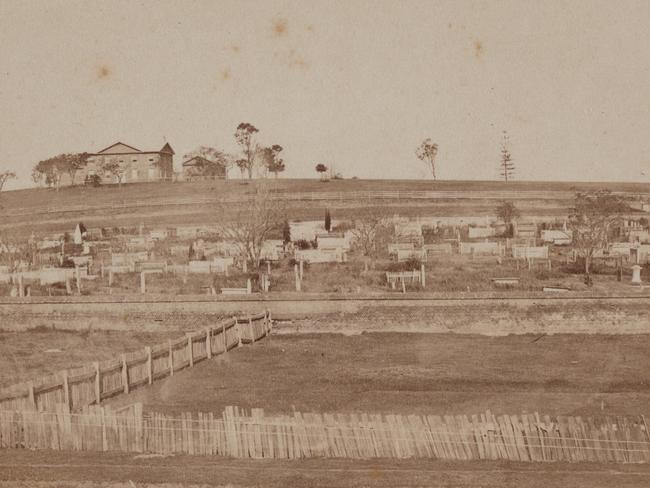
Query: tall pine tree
[(506, 165)]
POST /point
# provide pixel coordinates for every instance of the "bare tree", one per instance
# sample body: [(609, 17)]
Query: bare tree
[(248, 224), (4, 177), (244, 137), (506, 165), (591, 221), (370, 225), (427, 152)]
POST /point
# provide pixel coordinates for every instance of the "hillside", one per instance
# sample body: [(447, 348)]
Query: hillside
[(46, 210)]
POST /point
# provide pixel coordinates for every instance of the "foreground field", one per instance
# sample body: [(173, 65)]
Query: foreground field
[(417, 373), (30, 355), (40, 469)]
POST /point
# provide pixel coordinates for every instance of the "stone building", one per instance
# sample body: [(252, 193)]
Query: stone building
[(136, 165)]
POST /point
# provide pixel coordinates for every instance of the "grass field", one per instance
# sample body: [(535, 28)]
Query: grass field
[(30, 355), (163, 203), (419, 374)]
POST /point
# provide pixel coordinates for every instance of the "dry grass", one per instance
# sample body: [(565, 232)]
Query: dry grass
[(419, 374), (30, 355)]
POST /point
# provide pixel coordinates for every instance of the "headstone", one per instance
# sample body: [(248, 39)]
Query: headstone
[(636, 274)]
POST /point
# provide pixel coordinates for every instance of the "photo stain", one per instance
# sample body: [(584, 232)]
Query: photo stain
[(235, 48), (280, 27), (104, 72), (225, 75), (478, 49)]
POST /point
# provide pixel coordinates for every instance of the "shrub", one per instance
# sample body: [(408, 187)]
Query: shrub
[(411, 264)]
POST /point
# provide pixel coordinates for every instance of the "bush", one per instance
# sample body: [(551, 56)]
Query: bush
[(303, 244), (93, 180), (411, 264)]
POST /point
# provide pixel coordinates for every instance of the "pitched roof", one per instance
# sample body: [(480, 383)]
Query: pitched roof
[(197, 161), (119, 148), (167, 148)]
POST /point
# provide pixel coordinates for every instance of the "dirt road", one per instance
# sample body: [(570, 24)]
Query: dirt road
[(67, 469)]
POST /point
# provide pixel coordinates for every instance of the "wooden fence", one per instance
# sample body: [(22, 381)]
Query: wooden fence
[(94, 383), (236, 434)]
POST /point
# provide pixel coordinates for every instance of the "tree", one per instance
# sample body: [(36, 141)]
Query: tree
[(252, 222), (114, 168), (244, 137), (369, 225), (507, 212), (321, 169), (4, 177), (51, 170), (286, 232), (591, 221), (328, 220), (506, 165), (427, 152), (73, 163), (270, 160)]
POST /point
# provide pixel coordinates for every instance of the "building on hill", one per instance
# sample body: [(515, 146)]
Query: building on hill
[(200, 168), (137, 165)]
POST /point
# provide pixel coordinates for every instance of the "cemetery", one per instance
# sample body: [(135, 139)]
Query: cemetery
[(464, 254)]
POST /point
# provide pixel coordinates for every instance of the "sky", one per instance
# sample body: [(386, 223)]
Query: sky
[(352, 84)]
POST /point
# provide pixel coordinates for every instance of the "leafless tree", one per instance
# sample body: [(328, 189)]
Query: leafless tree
[(248, 224), (370, 225)]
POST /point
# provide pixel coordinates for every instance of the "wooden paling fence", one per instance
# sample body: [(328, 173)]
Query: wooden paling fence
[(94, 383), (254, 435)]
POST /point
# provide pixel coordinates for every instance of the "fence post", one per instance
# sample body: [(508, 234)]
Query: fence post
[(295, 270), (270, 320), (423, 278), (190, 351), (78, 278), (249, 288), (171, 359), (223, 337), (143, 283), (147, 350), (302, 266), (98, 383), (66, 391), (125, 374), (32, 397), (238, 328), (250, 329), (208, 345)]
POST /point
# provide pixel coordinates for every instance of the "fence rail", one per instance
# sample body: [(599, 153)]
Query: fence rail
[(508, 437), (93, 383)]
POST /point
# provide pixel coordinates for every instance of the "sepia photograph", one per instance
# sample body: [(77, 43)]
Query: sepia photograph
[(324, 243)]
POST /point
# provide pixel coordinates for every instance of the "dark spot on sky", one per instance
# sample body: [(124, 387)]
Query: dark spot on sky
[(225, 75), (104, 72), (478, 49), (280, 27), (235, 48)]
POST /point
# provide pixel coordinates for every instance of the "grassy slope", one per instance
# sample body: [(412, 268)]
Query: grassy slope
[(41, 209)]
